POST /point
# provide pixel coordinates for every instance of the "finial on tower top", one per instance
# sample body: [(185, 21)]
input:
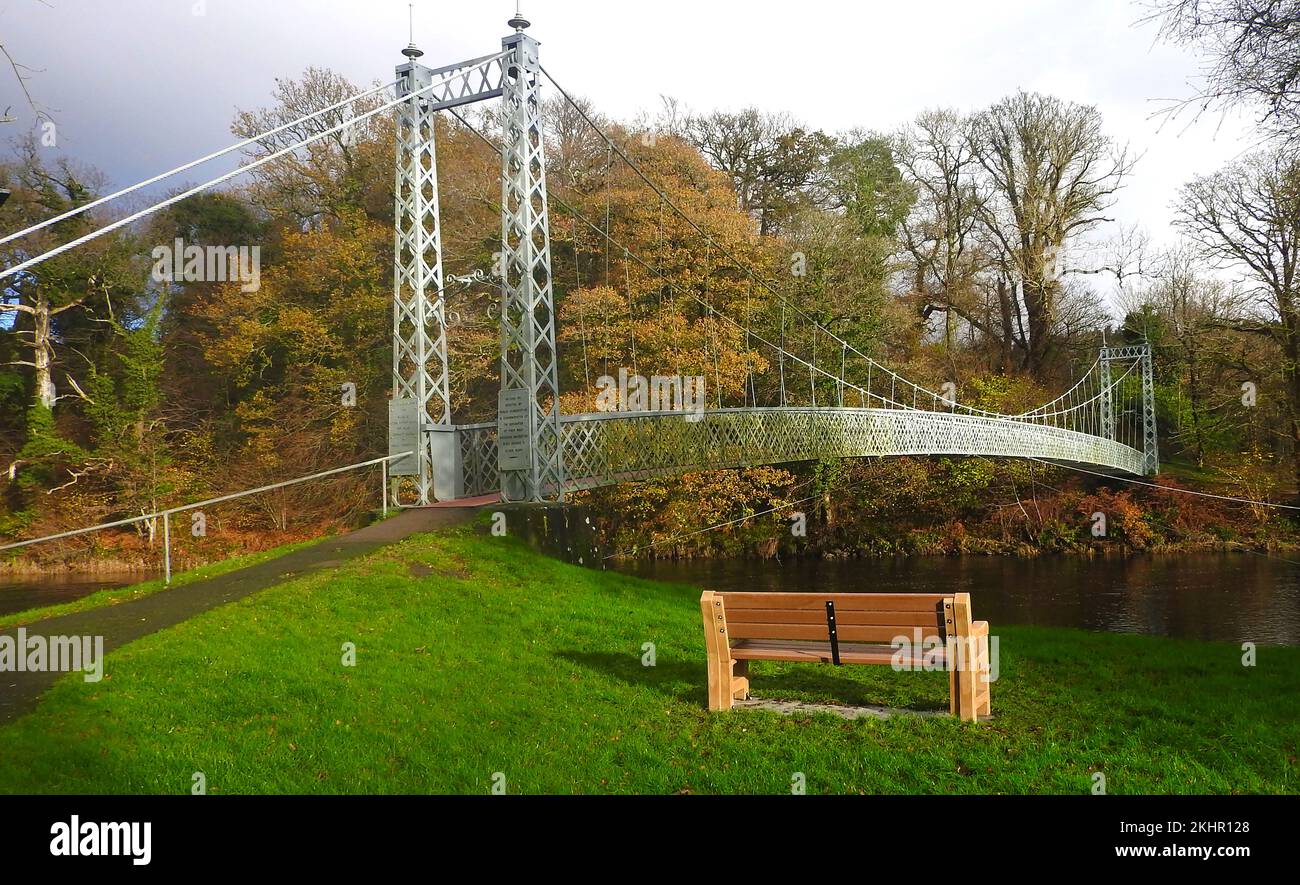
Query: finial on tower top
[(518, 22), (412, 51)]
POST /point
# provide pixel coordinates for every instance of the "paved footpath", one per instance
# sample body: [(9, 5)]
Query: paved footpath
[(128, 621)]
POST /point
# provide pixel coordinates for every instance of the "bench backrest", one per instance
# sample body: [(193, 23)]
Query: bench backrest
[(859, 617)]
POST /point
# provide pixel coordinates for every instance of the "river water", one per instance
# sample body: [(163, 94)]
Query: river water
[(20, 594), (1237, 597)]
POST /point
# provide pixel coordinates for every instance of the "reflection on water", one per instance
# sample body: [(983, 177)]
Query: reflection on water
[(35, 591), (1236, 597)]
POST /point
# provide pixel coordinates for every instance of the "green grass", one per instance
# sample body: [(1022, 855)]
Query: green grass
[(116, 595), (475, 656)]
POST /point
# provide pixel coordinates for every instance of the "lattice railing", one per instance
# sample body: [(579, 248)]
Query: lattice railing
[(610, 448), (478, 458)]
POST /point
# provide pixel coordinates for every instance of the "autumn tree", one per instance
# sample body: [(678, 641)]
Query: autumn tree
[(940, 234), (1051, 174), (1246, 216), (649, 292), (350, 168), (1252, 53), (771, 160), (305, 358)]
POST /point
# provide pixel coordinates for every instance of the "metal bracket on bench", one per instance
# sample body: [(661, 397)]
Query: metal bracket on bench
[(834, 635)]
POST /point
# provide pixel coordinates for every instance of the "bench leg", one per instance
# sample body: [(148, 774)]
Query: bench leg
[(985, 705), (970, 683), (718, 649), (720, 693), (965, 681), (970, 692), (740, 680)]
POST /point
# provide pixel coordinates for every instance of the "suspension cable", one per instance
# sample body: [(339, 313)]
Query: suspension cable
[(162, 204), (190, 165), (1079, 405), (1082, 379), (890, 401), (739, 266)]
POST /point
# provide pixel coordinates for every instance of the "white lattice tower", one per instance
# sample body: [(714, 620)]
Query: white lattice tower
[(1107, 398), (420, 366), (419, 316), (1141, 354), (533, 470)]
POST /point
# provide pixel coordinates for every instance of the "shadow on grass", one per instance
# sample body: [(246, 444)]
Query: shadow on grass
[(820, 684), (666, 677), (687, 682)]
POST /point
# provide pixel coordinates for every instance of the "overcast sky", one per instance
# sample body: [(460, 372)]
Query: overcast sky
[(139, 86)]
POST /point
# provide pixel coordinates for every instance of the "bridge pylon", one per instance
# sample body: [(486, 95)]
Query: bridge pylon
[(528, 411), (528, 444), (419, 315), (1130, 353)]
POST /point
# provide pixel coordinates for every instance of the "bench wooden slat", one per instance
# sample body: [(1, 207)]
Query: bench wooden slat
[(900, 602), (850, 653), (848, 617), (847, 632)]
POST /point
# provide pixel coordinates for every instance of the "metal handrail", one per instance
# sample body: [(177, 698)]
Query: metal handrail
[(166, 514)]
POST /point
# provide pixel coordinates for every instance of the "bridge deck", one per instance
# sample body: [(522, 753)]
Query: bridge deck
[(607, 448)]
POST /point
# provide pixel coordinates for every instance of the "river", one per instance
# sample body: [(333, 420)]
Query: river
[(35, 591), (1238, 597)]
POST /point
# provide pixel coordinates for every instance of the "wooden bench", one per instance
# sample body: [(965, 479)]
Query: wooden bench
[(847, 628)]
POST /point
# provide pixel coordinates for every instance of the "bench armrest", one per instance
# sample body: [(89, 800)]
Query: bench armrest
[(979, 628)]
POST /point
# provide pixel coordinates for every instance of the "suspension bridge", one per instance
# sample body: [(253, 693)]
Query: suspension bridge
[(534, 452)]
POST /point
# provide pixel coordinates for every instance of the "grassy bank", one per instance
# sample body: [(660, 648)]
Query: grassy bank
[(476, 657)]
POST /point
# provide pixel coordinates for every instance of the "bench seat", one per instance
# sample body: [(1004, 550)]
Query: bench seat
[(910, 631)]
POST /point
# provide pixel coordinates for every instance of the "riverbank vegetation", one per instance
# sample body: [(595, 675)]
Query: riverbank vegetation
[(915, 506), (480, 663), (971, 249)]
